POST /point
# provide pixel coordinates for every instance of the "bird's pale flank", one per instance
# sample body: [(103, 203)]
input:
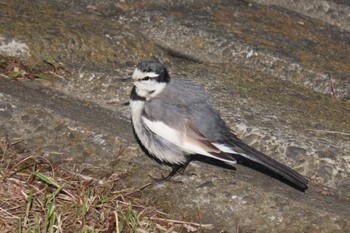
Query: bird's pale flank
[(173, 119)]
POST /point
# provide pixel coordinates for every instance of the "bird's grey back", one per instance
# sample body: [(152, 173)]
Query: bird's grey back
[(184, 101), (183, 92)]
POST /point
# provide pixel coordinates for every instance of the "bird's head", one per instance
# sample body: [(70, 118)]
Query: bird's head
[(149, 78)]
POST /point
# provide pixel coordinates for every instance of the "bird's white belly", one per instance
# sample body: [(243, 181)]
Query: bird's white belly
[(161, 149), (136, 112)]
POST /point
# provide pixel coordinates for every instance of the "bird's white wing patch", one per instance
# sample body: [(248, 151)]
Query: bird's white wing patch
[(225, 148), (176, 137), (230, 150)]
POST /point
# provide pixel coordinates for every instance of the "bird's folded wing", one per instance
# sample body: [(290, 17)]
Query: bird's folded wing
[(187, 138)]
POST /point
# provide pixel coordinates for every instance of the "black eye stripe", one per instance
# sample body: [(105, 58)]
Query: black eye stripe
[(145, 78)]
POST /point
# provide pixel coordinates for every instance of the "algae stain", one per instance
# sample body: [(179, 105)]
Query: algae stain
[(226, 18), (222, 16), (88, 151), (198, 42)]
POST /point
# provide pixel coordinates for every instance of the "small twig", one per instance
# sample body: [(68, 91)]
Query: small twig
[(8, 213), (161, 213), (207, 226), (4, 76), (56, 75), (139, 189), (16, 141), (116, 221), (84, 177), (33, 158), (334, 91), (124, 203), (81, 68)]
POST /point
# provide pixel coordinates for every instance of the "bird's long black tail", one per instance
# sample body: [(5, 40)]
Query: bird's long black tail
[(279, 168)]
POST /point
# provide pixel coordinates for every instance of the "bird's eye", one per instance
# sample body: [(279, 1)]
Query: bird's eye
[(145, 78)]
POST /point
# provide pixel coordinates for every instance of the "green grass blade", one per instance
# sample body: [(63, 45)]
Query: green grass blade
[(52, 222), (29, 205), (49, 213), (54, 194), (46, 179), (20, 225)]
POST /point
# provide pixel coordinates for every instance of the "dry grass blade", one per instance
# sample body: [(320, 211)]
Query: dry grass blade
[(185, 223), (37, 196), (116, 222)]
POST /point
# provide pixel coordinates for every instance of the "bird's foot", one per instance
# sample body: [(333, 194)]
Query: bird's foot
[(177, 169)]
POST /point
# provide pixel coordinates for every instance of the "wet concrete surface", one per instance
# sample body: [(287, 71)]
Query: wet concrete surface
[(275, 98), (228, 198)]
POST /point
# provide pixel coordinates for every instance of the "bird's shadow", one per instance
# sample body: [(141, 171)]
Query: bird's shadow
[(213, 162), (249, 164)]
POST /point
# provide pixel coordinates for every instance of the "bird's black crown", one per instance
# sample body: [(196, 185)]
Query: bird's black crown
[(156, 67)]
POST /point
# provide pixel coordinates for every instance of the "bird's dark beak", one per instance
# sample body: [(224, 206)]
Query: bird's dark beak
[(127, 80)]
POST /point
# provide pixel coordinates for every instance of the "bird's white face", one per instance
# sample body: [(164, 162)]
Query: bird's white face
[(146, 83), (139, 75)]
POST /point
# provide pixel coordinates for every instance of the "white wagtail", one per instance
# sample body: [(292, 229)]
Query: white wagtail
[(173, 119)]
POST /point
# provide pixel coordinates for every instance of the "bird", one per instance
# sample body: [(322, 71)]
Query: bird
[(174, 120)]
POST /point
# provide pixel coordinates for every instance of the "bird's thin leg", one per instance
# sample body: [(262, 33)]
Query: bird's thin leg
[(176, 169), (182, 166)]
